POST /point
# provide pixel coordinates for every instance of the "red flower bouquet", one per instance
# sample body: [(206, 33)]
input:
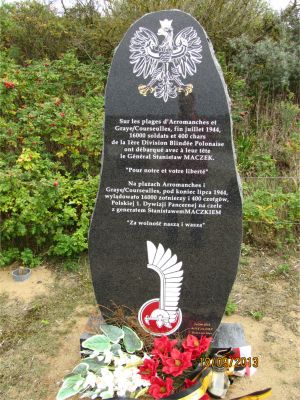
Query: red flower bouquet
[(170, 360)]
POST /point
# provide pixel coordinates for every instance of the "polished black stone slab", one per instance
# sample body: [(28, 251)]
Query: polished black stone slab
[(168, 177)]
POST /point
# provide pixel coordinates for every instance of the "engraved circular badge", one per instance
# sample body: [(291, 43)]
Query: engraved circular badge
[(157, 321)]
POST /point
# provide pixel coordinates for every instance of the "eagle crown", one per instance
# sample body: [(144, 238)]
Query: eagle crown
[(165, 28), (166, 23)]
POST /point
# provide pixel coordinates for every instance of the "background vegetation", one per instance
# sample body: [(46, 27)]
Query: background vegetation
[(53, 72)]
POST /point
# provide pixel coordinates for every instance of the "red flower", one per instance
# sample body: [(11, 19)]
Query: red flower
[(148, 369), (177, 363), (9, 85), (163, 346), (160, 388), (55, 183), (188, 383), (196, 346), (62, 114), (205, 397)]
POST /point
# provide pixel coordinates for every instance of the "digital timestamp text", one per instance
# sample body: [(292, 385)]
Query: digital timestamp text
[(225, 362)]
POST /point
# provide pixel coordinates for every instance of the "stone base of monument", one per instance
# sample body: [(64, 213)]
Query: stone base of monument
[(226, 336), (92, 327), (229, 335)]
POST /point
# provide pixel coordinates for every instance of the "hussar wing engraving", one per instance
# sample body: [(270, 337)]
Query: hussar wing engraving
[(165, 63), (171, 275)]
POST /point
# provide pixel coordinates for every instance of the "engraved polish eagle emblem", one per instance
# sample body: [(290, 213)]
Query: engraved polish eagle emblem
[(162, 316), (165, 63)]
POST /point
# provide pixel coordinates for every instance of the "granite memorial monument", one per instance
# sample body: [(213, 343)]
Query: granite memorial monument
[(166, 230)]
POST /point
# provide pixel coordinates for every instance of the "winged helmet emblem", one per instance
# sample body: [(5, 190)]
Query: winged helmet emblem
[(165, 64), (171, 276)]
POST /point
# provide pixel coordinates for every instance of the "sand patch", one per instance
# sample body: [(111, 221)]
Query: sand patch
[(39, 283), (277, 350), (272, 343), (66, 359)]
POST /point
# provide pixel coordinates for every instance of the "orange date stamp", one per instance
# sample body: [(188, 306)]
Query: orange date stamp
[(224, 362)]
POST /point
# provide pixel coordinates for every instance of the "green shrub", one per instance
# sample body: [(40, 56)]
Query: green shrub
[(271, 212), (52, 114), (269, 144), (8, 256), (28, 258), (31, 30), (51, 137), (269, 65)]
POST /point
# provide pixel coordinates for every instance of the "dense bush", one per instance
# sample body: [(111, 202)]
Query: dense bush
[(54, 69), (269, 66), (30, 30), (271, 212), (51, 135)]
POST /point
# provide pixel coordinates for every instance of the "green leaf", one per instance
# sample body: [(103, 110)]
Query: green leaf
[(131, 340), (114, 333), (97, 342), (70, 387), (81, 369), (115, 349), (94, 365)]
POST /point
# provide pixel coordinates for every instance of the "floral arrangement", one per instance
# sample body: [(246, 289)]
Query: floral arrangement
[(168, 367), (115, 365)]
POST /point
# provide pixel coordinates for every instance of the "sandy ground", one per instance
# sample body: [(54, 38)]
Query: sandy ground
[(272, 340), (277, 368), (278, 351), (66, 359), (39, 283)]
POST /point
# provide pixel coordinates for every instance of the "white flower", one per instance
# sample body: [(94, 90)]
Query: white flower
[(90, 380), (123, 380), (136, 379), (121, 359), (94, 354), (108, 356), (106, 380), (128, 379)]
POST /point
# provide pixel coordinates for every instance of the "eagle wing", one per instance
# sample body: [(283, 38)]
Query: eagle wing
[(187, 52), (144, 54), (171, 275)]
